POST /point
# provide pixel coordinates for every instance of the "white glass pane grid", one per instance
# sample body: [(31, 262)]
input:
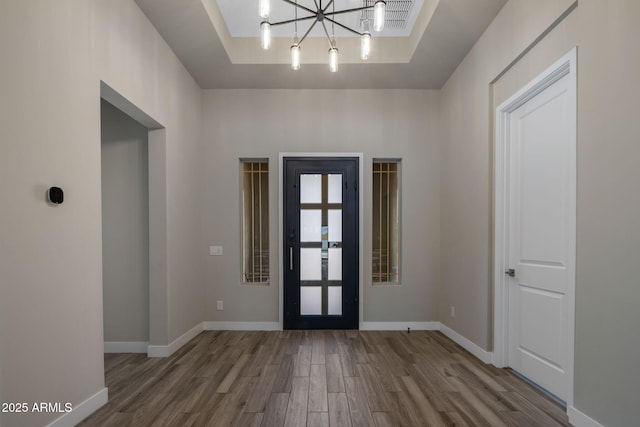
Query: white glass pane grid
[(335, 264), (311, 188), (310, 300), (335, 301), (335, 225), (310, 225), (310, 264), (325, 263), (335, 188)]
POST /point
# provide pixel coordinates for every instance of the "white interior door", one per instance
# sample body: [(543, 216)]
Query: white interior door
[(541, 236)]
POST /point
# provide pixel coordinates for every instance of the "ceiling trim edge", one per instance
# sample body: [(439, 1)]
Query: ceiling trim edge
[(386, 50)]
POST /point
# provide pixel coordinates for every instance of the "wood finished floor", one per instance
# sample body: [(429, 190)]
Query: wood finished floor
[(319, 378)]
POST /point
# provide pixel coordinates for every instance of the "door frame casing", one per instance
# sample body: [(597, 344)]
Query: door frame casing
[(564, 67), (281, 243), (158, 251)]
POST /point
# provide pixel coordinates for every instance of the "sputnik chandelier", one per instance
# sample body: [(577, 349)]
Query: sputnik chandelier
[(322, 14)]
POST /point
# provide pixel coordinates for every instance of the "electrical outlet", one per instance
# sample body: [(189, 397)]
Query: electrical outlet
[(220, 306), (453, 311), (215, 250)]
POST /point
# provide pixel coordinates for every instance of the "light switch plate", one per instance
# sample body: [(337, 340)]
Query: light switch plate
[(215, 250)]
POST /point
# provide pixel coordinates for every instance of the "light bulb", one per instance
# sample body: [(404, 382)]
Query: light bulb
[(265, 8), (365, 46), (333, 59), (378, 15), (266, 34), (295, 57)]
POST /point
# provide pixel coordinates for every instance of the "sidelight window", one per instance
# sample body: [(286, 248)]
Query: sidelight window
[(255, 225), (386, 222)]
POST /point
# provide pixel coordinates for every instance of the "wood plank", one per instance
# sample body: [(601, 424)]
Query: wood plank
[(405, 412), (318, 389), (397, 346), (349, 366), (335, 380), (302, 362), (257, 400), (392, 360), (318, 348), (537, 399), (330, 342), (466, 411), (526, 410), (373, 389), (275, 410), (233, 374), (232, 403), (358, 406), (339, 410), (247, 378), (298, 399), (486, 412), (388, 381), (455, 419), (318, 419), (209, 410), (432, 391), (428, 412), (249, 419), (258, 360), (485, 379), (385, 419), (359, 351), (284, 378)]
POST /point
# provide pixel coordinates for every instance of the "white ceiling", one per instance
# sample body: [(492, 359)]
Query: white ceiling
[(217, 42), (242, 20)]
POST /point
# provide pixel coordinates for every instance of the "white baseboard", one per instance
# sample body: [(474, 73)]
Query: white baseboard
[(579, 419), (158, 351), (125, 347), (82, 410), (242, 326), (482, 354), (165, 351), (168, 350), (399, 326)]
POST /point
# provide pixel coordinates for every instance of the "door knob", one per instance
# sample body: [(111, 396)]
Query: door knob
[(510, 272)]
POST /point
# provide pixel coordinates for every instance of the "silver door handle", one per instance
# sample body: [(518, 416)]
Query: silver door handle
[(510, 272), (291, 258)]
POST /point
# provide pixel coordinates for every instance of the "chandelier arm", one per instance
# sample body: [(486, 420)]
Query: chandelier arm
[(327, 6), (343, 26), (355, 9), (290, 21), (328, 37), (314, 12), (307, 33)]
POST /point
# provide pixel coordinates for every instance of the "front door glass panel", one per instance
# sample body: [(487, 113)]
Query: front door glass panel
[(321, 244), (321, 229)]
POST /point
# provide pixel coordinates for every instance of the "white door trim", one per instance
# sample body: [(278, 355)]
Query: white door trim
[(564, 67), (281, 156)]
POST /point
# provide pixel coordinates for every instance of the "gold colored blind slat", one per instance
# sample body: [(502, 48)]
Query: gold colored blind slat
[(255, 222), (385, 254)]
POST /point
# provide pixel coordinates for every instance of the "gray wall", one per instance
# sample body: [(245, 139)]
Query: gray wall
[(607, 347), (51, 257), (53, 59), (466, 165), (125, 226), (379, 123)]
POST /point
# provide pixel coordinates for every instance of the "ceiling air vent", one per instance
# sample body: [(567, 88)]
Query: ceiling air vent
[(397, 13)]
